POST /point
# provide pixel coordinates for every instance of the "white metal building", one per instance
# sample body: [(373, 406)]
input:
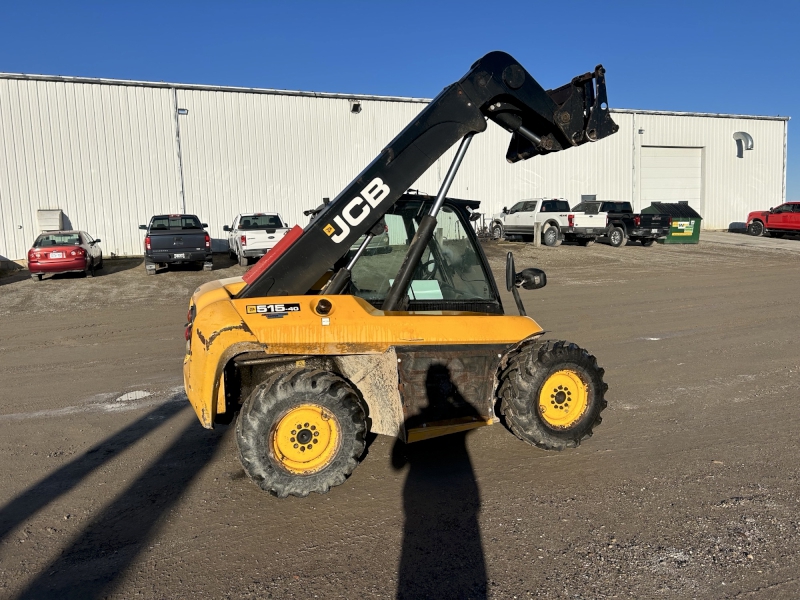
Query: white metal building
[(112, 153)]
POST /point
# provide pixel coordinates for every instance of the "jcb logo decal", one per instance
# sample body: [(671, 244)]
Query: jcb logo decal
[(357, 210)]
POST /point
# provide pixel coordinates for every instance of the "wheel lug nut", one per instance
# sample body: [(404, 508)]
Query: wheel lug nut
[(313, 427), (295, 446), (294, 432), (316, 434), (315, 441), (302, 448), (299, 426), (305, 424), (291, 440)]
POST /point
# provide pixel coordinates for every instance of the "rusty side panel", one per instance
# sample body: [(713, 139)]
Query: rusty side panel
[(375, 376), (445, 382)]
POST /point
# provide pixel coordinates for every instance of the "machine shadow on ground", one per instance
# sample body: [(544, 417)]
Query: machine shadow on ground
[(442, 553), (91, 566)]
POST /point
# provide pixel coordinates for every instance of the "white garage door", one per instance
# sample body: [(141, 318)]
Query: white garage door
[(671, 175)]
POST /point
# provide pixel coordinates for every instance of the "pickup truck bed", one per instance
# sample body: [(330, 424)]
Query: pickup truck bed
[(175, 239)]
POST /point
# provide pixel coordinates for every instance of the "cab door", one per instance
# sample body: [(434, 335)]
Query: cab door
[(444, 387), (513, 220)]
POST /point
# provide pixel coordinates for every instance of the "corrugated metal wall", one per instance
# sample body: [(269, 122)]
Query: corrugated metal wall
[(104, 154), (107, 154)]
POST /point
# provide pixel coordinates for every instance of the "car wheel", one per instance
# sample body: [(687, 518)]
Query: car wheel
[(243, 261), (497, 231), (616, 237), (756, 228), (552, 394), (100, 264), (647, 242), (36, 277), (302, 431), (89, 272), (551, 237), (149, 268), (586, 241), (208, 266)]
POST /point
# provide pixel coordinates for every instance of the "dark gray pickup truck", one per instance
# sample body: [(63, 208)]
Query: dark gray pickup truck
[(176, 239)]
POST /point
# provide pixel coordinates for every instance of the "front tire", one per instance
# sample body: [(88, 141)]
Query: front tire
[(497, 231), (552, 394), (301, 432), (616, 237), (756, 228), (551, 237), (647, 242)]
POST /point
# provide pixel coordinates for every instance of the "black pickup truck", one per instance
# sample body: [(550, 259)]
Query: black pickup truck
[(176, 239), (620, 223)]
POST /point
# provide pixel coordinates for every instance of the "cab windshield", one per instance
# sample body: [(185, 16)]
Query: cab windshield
[(450, 274)]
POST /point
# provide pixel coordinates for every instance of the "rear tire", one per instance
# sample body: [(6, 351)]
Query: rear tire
[(497, 231), (586, 241), (151, 270), (36, 277), (616, 237), (648, 242), (756, 228), (89, 272), (243, 261), (326, 408), (550, 237), (552, 394)]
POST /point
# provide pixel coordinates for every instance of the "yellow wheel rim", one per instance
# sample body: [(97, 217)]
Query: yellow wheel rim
[(563, 399), (306, 439)]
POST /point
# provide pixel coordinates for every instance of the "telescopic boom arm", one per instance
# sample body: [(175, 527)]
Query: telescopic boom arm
[(497, 87)]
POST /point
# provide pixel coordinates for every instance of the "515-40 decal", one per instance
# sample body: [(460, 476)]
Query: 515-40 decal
[(269, 309)]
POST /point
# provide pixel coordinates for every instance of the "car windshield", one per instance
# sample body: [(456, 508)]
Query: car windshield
[(175, 222), (260, 222), (57, 239)]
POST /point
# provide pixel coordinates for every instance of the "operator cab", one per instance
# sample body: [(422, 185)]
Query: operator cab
[(452, 273)]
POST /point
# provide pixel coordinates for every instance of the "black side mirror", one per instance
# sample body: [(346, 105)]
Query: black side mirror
[(225, 228), (511, 274), (143, 227), (96, 241), (204, 225), (505, 210), (532, 279)]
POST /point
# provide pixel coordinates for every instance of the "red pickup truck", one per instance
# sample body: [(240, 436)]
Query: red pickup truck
[(775, 221)]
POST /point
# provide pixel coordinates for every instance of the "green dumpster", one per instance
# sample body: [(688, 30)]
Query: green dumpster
[(685, 226)]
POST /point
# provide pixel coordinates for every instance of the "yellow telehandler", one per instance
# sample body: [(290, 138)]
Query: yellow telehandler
[(382, 314)]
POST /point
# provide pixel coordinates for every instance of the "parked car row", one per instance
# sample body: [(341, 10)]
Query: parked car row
[(182, 239), (583, 223)]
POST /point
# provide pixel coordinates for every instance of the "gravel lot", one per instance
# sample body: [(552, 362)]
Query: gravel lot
[(689, 489)]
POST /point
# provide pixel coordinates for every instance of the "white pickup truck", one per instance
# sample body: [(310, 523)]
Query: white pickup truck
[(252, 234), (518, 221)]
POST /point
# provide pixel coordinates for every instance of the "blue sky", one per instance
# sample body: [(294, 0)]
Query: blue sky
[(731, 57)]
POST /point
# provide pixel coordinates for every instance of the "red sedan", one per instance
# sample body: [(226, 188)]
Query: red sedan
[(64, 252)]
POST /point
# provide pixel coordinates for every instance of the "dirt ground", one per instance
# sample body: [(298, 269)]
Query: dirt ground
[(689, 489)]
